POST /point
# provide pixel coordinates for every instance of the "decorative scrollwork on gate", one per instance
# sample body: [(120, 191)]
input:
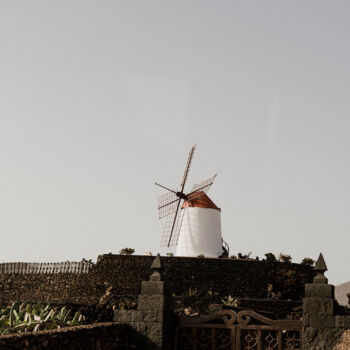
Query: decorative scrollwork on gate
[(184, 338), (270, 340), (223, 339), (249, 340), (291, 339), (245, 330), (203, 338)]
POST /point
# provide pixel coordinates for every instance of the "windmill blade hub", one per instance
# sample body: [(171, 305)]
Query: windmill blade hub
[(181, 195)]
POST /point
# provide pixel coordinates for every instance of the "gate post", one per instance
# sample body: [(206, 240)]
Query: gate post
[(319, 321), (152, 319)]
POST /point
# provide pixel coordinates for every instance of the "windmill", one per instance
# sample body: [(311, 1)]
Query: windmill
[(188, 225)]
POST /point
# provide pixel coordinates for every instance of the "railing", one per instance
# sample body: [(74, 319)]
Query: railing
[(225, 248), (51, 268), (228, 330)]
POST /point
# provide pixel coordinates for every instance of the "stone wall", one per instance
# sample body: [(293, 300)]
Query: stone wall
[(103, 336), (238, 278), (56, 288), (322, 327), (153, 317)]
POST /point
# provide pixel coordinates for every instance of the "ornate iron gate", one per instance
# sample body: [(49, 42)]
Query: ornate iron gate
[(245, 330)]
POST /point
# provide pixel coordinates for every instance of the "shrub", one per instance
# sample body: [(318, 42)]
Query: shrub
[(284, 258), (127, 251), (210, 293), (170, 254), (201, 256), (230, 301), (247, 256), (307, 261), (193, 292), (270, 257), (233, 257)]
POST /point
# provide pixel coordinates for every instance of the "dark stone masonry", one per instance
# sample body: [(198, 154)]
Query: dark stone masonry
[(159, 289), (153, 315), (102, 336), (322, 327), (222, 277)]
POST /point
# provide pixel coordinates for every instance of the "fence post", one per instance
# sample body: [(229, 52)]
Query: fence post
[(152, 319)]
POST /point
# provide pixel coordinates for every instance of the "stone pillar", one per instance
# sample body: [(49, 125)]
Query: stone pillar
[(151, 320), (321, 328)]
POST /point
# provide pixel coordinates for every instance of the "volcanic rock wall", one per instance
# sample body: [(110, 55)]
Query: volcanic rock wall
[(222, 277), (102, 336)]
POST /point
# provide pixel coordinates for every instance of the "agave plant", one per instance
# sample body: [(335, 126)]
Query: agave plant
[(19, 318)]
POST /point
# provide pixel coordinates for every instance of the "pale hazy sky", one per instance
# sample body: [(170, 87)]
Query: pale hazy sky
[(100, 99)]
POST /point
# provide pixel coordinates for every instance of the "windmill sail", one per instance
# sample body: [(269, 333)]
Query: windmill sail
[(201, 187), (167, 204), (168, 238), (181, 194), (187, 168)]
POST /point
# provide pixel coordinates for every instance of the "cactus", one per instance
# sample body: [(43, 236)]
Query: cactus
[(19, 318)]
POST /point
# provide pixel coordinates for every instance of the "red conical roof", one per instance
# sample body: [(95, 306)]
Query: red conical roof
[(202, 201)]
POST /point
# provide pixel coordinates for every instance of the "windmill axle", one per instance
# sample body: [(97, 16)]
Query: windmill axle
[(181, 195)]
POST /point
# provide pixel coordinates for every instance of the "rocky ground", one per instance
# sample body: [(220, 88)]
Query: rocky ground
[(344, 343)]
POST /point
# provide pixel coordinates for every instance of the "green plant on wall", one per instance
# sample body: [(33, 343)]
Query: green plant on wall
[(212, 294), (284, 258), (230, 301), (244, 256), (127, 251), (308, 261), (19, 318), (270, 257), (193, 292)]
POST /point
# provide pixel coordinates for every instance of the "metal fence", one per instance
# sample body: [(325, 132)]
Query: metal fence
[(52, 268)]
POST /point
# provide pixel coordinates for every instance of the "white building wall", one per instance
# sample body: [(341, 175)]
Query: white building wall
[(200, 233)]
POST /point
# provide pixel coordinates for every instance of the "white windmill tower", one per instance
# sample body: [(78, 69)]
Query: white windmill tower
[(193, 220)]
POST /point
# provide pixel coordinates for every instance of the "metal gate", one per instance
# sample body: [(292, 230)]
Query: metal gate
[(245, 330)]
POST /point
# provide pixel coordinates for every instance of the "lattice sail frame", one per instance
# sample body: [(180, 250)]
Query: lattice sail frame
[(168, 224), (167, 204), (201, 187)]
